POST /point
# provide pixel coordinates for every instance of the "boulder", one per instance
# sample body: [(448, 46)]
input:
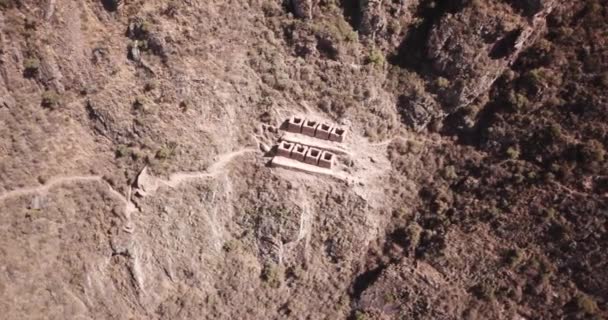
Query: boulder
[(302, 8), (373, 18), (111, 5), (418, 109)]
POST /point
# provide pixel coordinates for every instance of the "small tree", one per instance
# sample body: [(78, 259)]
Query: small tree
[(50, 99), (31, 66)]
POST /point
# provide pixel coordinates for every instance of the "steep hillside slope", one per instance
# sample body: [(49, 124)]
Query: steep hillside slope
[(136, 136)]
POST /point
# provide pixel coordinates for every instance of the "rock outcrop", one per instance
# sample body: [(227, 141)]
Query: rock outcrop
[(418, 283), (373, 19), (418, 109), (473, 47), (302, 8)]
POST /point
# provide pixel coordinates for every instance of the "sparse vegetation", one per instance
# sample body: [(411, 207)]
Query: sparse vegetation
[(604, 80), (449, 172), (31, 66), (460, 196), (360, 315), (514, 257), (512, 152), (390, 297), (442, 83), (166, 151), (273, 275), (519, 102), (5, 4), (122, 151), (337, 29), (151, 85), (172, 8), (50, 99), (142, 104), (137, 154), (484, 291), (231, 245), (376, 58), (586, 304), (414, 231), (592, 151)]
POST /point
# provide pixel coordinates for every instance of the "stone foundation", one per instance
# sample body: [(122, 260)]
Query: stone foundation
[(294, 124), (312, 156), (309, 127), (326, 160), (299, 152), (310, 151), (284, 149), (337, 134), (323, 131)]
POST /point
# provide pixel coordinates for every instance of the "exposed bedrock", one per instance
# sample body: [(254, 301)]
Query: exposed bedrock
[(470, 47)]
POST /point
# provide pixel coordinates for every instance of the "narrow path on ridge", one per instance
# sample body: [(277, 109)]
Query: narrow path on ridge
[(174, 180)]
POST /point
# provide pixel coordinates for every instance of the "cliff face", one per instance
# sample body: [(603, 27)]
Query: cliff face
[(136, 136), (475, 46), (468, 47)]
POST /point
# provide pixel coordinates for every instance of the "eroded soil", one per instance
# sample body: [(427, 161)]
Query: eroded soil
[(135, 140)]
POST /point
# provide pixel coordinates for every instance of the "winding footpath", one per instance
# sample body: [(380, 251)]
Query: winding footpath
[(174, 180), (180, 177), (50, 184)]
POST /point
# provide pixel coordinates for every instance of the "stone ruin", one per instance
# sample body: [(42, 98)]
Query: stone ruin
[(316, 129), (311, 154)]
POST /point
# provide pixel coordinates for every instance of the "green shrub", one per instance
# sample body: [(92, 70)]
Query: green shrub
[(414, 146), (484, 291), (273, 275), (592, 151), (351, 36), (389, 297), (604, 80), (555, 131), (586, 304), (518, 178), (31, 66), (549, 214), (165, 152), (360, 315), (139, 29), (593, 10), (540, 77), (512, 152), (413, 232), (231, 245), (514, 257), (535, 77), (491, 213), (345, 31), (518, 101), (122, 151), (5, 4), (50, 99), (375, 57), (449, 173), (477, 3), (172, 8), (151, 85), (338, 30), (442, 83), (142, 104)]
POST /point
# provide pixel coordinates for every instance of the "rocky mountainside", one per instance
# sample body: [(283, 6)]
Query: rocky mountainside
[(136, 138)]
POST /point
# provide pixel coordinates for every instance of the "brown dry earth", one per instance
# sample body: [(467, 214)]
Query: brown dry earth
[(136, 139)]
